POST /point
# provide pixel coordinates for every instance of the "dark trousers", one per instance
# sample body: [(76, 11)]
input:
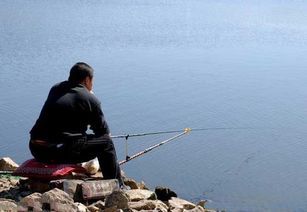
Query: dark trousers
[(81, 151)]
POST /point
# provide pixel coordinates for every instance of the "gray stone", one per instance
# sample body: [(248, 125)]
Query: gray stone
[(175, 202), (110, 209), (57, 184), (93, 208), (131, 183), (70, 187), (113, 209), (21, 208), (118, 199), (177, 210), (7, 205), (81, 207), (32, 202), (148, 205), (60, 207), (202, 203), (129, 210), (98, 189), (7, 164), (57, 200), (142, 185), (196, 209), (100, 204), (164, 194), (14, 181), (140, 194)]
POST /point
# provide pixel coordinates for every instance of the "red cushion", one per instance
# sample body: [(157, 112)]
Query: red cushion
[(34, 169)]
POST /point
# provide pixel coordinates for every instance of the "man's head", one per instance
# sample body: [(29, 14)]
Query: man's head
[(82, 73)]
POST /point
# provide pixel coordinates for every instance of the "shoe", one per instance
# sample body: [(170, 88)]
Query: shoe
[(122, 185)]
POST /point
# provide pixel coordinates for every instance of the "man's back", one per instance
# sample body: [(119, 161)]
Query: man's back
[(69, 108)]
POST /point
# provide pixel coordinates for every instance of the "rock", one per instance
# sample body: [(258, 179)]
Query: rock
[(196, 209), (57, 184), (118, 199), (81, 207), (129, 210), (57, 200), (142, 185), (131, 183), (4, 184), (93, 208), (14, 181), (99, 204), (139, 194), (39, 185), (25, 193), (8, 205), (98, 189), (148, 205), (31, 202), (202, 203), (210, 210), (164, 194), (70, 187), (177, 210), (24, 183), (111, 209), (175, 202), (7, 164)]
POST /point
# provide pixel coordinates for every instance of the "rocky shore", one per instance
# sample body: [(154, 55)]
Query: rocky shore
[(86, 195)]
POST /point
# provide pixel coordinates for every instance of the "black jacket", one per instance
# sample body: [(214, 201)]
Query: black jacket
[(69, 109)]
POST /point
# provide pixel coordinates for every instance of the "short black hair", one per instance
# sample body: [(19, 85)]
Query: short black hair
[(79, 72)]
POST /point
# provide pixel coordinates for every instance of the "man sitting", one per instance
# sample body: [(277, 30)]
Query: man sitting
[(59, 134)]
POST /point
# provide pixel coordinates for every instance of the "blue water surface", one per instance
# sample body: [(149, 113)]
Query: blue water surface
[(167, 65)]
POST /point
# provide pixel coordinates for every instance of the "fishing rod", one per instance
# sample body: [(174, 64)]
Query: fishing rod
[(126, 136), (128, 158)]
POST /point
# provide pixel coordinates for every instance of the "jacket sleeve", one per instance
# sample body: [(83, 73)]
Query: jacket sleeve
[(97, 122)]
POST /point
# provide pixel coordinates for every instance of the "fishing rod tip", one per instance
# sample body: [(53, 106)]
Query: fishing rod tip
[(187, 130)]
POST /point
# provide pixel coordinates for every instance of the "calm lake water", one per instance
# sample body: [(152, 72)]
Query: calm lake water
[(167, 65)]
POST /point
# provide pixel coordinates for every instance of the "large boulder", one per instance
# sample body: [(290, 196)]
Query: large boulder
[(98, 189), (140, 194), (8, 205), (31, 202), (118, 199), (57, 200), (7, 164)]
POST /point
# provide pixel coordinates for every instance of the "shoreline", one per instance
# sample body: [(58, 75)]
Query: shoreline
[(88, 194)]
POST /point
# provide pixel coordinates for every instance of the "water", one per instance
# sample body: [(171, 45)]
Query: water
[(165, 65)]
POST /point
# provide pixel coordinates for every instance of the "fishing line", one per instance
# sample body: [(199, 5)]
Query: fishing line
[(126, 136), (128, 158), (181, 133)]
